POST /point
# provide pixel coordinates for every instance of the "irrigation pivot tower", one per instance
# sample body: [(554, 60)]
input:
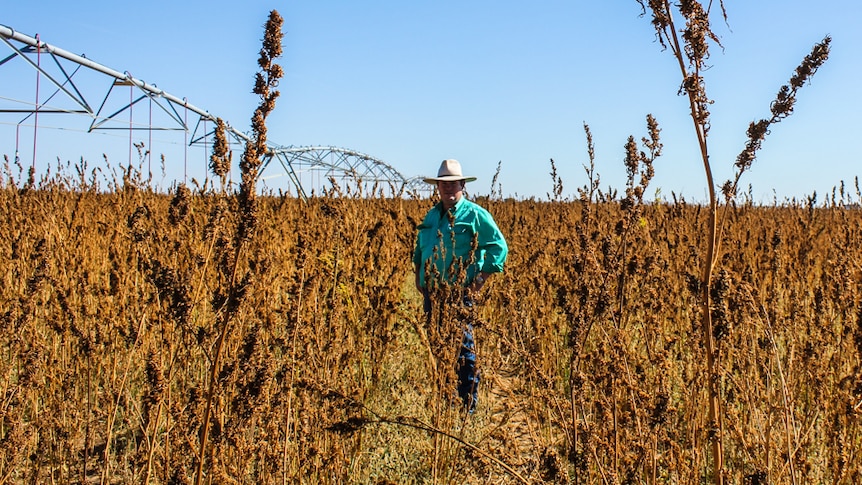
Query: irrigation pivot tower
[(64, 82)]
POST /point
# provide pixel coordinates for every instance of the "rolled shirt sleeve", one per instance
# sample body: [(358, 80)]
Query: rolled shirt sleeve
[(491, 245)]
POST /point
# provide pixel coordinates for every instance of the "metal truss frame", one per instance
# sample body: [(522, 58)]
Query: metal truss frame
[(348, 164), (358, 167), (417, 186)]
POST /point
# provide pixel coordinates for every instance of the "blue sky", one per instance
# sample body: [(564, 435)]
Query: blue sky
[(412, 83)]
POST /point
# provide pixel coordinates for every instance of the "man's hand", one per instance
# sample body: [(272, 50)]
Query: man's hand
[(479, 281)]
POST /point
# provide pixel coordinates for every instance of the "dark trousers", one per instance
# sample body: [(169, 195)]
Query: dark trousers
[(468, 375)]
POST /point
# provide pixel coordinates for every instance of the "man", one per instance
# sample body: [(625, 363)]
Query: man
[(459, 247)]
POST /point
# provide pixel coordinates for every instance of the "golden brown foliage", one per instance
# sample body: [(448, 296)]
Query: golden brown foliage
[(246, 339), (587, 352)]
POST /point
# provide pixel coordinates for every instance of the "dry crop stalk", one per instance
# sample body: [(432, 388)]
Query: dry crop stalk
[(825, 281), (115, 405), (255, 148), (696, 35)]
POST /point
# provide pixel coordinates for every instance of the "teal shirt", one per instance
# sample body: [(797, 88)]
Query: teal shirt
[(469, 219)]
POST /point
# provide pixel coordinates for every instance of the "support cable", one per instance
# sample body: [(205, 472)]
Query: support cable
[(36, 112), (17, 141), (150, 142), (131, 119), (206, 152), (186, 143)]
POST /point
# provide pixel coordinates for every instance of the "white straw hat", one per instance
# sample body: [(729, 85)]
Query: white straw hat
[(450, 170)]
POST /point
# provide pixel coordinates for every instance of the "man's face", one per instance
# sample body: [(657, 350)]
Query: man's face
[(450, 192)]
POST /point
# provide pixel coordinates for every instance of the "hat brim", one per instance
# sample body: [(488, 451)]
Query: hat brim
[(448, 178)]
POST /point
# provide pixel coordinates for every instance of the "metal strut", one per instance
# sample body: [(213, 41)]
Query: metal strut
[(347, 164)]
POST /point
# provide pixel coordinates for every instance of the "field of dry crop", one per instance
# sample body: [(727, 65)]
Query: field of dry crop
[(113, 303), (221, 337)]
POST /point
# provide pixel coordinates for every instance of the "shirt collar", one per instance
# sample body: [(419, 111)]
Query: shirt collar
[(457, 207)]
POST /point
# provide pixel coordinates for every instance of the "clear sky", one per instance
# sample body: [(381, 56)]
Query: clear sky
[(486, 82)]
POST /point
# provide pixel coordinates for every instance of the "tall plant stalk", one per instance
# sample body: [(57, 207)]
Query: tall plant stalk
[(266, 81), (691, 54)]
